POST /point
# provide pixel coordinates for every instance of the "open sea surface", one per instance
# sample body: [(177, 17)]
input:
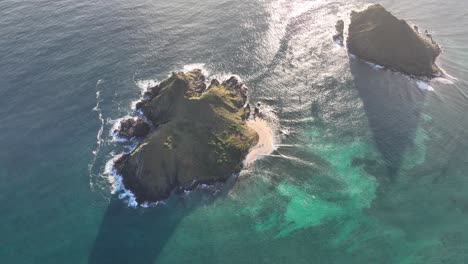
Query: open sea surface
[(370, 166)]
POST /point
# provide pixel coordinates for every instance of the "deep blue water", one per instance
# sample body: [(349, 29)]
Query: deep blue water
[(371, 168)]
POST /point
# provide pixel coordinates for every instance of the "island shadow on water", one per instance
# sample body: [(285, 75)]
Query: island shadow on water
[(138, 235), (392, 104)]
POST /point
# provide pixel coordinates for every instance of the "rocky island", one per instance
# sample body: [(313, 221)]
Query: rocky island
[(377, 36), (201, 136)]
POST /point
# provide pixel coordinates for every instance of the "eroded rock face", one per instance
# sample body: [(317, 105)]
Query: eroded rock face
[(201, 137), (214, 83), (339, 36), (131, 128), (377, 36)]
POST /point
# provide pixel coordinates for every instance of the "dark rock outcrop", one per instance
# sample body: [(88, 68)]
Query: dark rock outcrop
[(339, 36), (130, 128), (201, 137), (235, 85), (214, 83), (152, 92), (197, 82), (246, 114), (377, 36)]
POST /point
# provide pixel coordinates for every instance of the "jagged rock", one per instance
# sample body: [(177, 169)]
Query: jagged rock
[(377, 36), (213, 83), (130, 128), (201, 137), (197, 83), (247, 111), (339, 36), (139, 105), (152, 92), (234, 84)]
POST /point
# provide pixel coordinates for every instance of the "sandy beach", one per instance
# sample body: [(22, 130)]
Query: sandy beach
[(265, 140)]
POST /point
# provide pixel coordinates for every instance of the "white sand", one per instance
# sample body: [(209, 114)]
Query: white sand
[(265, 140)]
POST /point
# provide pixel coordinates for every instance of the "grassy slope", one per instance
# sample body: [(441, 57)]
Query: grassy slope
[(202, 139)]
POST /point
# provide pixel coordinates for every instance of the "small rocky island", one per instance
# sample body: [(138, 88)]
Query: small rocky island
[(201, 136), (377, 36)]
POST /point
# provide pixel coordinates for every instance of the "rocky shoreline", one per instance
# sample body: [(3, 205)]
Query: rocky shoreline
[(201, 136), (133, 128)]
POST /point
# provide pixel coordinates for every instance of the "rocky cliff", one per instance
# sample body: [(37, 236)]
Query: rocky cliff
[(377, 36)]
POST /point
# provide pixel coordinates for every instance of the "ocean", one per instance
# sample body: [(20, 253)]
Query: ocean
[(370, 165)]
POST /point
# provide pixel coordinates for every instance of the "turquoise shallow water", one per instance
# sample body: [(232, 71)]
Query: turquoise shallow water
[(369, 168)]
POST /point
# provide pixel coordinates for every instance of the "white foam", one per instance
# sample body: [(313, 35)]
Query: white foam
[(204, 186), (99, 139), (447, 75), (133, 104), (285, 131), (116, 182), (424, 86), (144, 85), (443, 80), (200, 66), (117, 187), (339, 42), (97, 108), (109, 170), (374, 66), (116, 124), (98, 95), (223, 76), (209, 74)]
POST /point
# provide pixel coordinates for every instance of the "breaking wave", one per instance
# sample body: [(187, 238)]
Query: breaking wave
[(99, 138)]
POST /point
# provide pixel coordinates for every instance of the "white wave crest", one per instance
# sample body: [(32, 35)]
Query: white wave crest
[(223, 76), (144, 85), (99, 138), (116, 182), (424, 86), (443, 80), (200, 66)]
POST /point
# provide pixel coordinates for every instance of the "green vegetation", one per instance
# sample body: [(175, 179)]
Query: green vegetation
[(201, 137)]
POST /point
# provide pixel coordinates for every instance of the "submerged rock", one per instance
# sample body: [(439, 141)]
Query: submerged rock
[(339, 36), (130, 128), (201, 137), (377, 36)]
